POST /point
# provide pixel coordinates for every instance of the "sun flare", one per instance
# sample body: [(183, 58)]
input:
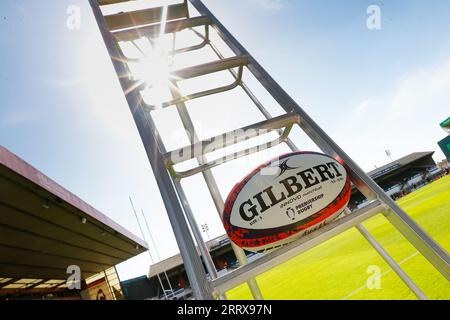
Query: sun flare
[(154, 69)]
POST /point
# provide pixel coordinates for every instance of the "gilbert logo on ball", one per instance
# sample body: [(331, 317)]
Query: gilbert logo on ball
[(305, 191)]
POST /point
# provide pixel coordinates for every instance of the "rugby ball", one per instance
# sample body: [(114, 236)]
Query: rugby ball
[(284, 199)]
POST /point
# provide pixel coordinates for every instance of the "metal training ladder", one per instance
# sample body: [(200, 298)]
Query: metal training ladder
[(171, 19)]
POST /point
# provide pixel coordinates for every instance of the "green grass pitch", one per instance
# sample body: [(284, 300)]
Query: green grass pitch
[(337, 269)]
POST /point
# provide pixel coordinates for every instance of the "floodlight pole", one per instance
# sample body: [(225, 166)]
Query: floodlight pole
[(205, 229), (156, 250)]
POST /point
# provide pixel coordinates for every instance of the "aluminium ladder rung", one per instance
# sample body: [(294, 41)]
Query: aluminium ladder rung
[(210, 67), (196, 95), (124, 20), (225, 140), (108, 2), (293, 249), (206, 68), (201, 70), (155, 29), (198, 71)]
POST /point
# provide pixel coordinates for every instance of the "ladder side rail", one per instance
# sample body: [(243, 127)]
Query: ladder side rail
[(204, 251), (193, 265), (429, 248)]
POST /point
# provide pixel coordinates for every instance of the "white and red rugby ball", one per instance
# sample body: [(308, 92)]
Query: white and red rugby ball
[(285, 199)]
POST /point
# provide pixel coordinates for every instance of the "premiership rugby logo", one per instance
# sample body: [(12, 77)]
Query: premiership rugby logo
[(266, 211)]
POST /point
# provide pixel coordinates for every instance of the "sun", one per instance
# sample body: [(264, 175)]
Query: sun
[(154, 69)]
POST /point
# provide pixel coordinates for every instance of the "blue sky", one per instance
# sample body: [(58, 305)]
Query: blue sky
[(370, 90)]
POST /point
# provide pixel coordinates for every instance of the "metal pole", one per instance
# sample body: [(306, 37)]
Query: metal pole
[(392, 263), (193, 265), (205, 229), (148, 250), (204, 251), (111, 292), (151, 237), (432, 251), (156, 250), (120, 283)]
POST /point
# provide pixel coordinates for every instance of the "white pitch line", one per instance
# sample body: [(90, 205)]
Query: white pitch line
[(381, 275)]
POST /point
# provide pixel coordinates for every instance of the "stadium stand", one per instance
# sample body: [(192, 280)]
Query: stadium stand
[(45, 229)]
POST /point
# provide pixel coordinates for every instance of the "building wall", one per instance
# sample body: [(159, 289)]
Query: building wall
[(445, 146), (140, 288)]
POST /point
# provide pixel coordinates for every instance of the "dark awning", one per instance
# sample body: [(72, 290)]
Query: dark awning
[(393, 166), (44, 228)]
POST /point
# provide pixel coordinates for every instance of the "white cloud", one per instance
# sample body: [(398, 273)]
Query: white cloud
[(361, 109), (421, 92), (404, 121), (270, 4)]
